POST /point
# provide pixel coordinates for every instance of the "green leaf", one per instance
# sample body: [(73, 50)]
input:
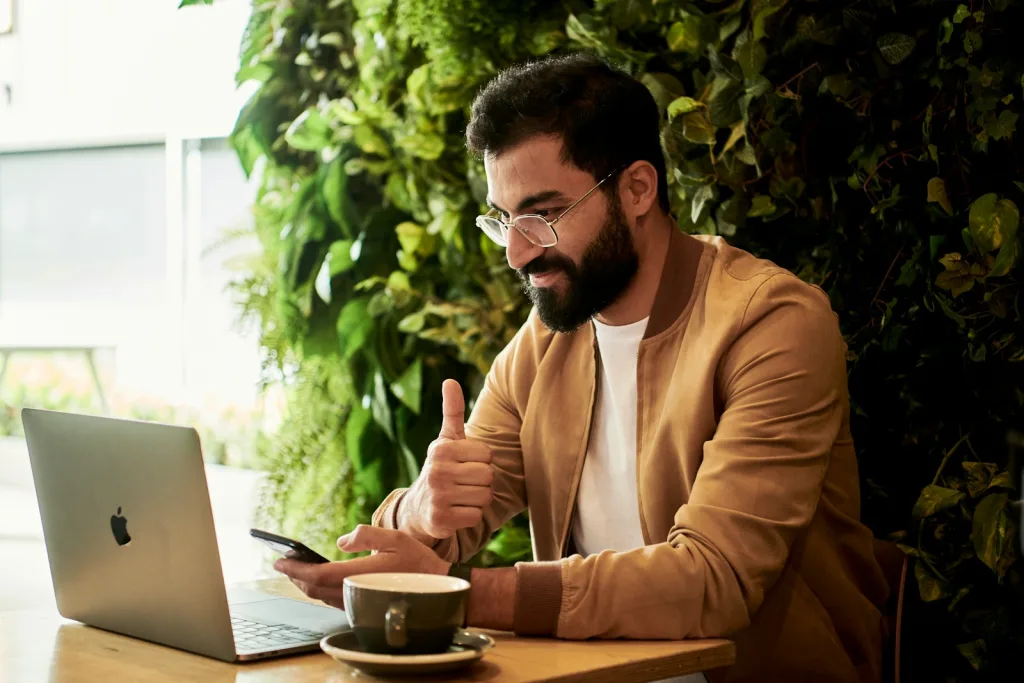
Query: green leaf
[(423, 145), (340, 256), (334, 191), (937, 193), (945, 32), (684, 36), (665, 88), (731, 215), (1002, 127), (962, 12), (762, 205), (682, 105), (896, 47), (697, 128), (186, 3), (959, 282), (739, 131), (700, 198), (993, 221), (972, 41), (354, 326), (1006, 259), (412, 323), (730, 27), (1002, 480), (379, 405), (935, 499), (355, 427), (410, 235), (929, 586), (724, 65), (979, 475), (953, 261), (724, 103), (1020, 185), (368, 140), (757, 86), (309, 132), (626, 14), (399, 281), (975, 651), (409, 387), (762, 10), (751, 55), (992, 531)]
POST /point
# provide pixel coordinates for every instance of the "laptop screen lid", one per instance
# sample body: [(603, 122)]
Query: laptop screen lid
[(129, 529)]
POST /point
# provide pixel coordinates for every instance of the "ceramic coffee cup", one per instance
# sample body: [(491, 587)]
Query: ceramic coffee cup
[(405, 613)]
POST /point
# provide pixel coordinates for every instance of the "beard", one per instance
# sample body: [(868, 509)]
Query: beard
[(607, 267)]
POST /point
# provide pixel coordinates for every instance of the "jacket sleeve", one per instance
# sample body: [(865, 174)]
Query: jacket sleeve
[(495, 421), (784, 387)]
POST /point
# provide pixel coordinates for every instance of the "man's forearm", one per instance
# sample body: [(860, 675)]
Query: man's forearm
[(492, 598)]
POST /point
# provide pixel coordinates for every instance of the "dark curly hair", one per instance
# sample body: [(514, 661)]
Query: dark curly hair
[(606, 118)]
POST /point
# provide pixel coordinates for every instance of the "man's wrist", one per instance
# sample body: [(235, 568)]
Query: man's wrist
[(492, 598)]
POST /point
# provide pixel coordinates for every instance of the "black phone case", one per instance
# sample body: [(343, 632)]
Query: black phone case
[(288, 547)]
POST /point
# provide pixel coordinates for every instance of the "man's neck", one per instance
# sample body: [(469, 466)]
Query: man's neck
[(636, 302)]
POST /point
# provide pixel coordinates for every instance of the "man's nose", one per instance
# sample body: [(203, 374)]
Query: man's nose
[(520, 250)]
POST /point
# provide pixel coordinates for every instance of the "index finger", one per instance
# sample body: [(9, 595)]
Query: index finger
[(471, 451), (318, 574), (331, 574)]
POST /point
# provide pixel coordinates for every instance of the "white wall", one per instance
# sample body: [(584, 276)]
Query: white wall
[(87, 78), (87, 71)]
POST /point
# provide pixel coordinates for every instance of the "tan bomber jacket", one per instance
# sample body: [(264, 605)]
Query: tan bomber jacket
[(747, 478)]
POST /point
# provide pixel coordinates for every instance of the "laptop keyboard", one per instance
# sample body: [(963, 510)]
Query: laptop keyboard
[(254, 636)]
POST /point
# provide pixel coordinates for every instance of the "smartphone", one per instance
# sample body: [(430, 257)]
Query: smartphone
[(293, 550)]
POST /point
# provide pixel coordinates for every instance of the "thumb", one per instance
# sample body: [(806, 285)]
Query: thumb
[(366, 537), (453, 407)]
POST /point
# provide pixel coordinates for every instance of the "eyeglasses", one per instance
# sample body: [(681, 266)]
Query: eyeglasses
[(535, 228)]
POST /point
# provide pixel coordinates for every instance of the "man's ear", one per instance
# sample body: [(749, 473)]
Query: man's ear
[(638, 189)]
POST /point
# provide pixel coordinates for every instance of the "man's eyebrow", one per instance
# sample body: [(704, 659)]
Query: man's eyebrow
[(530, 201)]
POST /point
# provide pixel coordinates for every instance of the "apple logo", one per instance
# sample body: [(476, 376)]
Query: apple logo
[(119, 525)]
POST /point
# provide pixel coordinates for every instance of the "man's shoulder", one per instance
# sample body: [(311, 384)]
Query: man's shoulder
[(740, 280)]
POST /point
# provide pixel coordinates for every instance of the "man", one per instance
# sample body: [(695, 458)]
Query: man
[(674, 415)]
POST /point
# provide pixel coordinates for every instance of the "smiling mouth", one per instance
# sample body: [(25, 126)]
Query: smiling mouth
[(545, 279)]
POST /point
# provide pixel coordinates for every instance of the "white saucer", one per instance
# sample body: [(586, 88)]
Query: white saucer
[(466, 648)]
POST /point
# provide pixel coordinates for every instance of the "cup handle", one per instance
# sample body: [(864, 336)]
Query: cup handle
[(394, 625)]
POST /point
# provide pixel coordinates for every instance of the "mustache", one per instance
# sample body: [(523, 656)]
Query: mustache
[(547, 264)]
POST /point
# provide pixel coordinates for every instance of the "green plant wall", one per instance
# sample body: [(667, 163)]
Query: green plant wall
[(871, 147)]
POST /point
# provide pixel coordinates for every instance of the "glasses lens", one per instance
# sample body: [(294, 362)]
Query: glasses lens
[(537, 230), (494, 229)]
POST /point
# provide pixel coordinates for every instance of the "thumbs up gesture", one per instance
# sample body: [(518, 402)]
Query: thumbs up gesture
[(454, 485)]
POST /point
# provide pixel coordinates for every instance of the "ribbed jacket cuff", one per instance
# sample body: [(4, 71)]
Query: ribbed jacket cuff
[(386, 516), (538, 598)]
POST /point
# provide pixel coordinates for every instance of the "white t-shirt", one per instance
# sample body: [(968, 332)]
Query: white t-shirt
[(607, 504)]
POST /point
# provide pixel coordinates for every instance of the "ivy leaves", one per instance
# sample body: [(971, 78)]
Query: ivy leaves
[(993, 224)]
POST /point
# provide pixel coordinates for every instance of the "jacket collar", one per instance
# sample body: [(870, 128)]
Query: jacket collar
[(678, 275)]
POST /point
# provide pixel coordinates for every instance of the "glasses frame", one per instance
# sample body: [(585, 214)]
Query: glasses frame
[(551, 224)]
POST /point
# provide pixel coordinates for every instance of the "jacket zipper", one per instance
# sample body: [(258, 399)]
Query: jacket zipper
[(639, 445), (582, 456)]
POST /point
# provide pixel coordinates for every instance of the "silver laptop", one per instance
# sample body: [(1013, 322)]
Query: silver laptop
[(131, 543)]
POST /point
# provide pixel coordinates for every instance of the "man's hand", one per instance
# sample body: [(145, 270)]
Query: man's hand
[(454, 485), (394, 551)]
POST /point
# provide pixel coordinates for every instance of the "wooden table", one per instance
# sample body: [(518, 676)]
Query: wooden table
[(40, 646)]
